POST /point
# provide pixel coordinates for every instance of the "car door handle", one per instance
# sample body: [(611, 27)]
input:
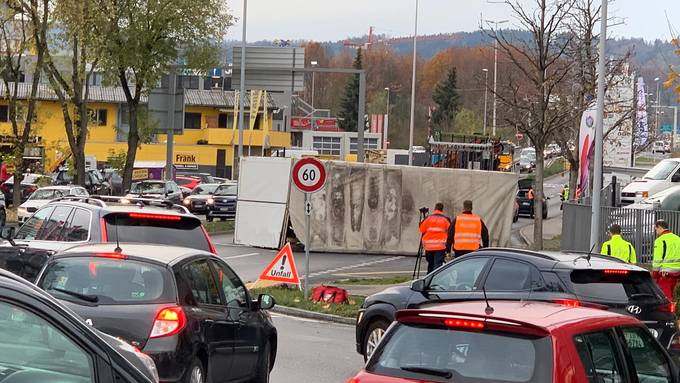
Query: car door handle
[(209, 322)]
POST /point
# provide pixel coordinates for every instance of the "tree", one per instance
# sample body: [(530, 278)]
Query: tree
[(673, 79), (24, 27), (71, 85), (146, 39), (349, 106), (531, 91), (468, 122), (447, 99)]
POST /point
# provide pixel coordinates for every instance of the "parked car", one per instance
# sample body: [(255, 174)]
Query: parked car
[(185, 308), (187, 182), (206, 178), (68, 222), (44, 195), (156, 189), (661, 177), (115, 181), (42, 341), (197, 200), (577, 279), (29, 184), (222, 204), (517, 342), (95, 183), (526, 205), (527, 160)]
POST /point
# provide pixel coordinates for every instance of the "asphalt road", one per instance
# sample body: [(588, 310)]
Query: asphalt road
[(312, 351)]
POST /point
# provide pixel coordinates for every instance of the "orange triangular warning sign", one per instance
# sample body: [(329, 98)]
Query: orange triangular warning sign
[(282, 268)]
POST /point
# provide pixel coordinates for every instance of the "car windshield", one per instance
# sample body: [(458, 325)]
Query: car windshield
[(227, 190), (157, 228), (661, 171), (47, 194), (204, 189), (107, 280), (594, 285), (148, 188), (438, 354)]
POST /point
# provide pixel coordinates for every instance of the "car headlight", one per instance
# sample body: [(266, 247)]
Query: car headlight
[(187, 201), (22, 210), (210, 201), (642, 194)]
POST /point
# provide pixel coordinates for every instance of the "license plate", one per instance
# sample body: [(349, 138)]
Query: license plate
[(526, 204)]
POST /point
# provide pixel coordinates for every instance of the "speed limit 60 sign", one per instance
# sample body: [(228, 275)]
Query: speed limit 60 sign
[(309, 175)]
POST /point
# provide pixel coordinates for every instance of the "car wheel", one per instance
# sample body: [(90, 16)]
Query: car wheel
[(515, 218), (545, 213), (374, 334), (3, 218), (195, 372), (264, 367)]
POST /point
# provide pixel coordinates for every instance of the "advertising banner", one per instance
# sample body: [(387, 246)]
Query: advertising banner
[(586, 140)]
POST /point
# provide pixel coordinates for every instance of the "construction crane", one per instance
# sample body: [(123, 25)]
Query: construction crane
[(364, 46)]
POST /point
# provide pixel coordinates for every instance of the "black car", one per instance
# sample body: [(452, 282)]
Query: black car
[(526, 205), (43, 341), (222, 204), (95, 183), (197, 200), (71, 221), (185, 308), (29, 184), (167, 190), (568, 278)]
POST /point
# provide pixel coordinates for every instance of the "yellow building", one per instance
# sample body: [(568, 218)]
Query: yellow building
[(207, 145)]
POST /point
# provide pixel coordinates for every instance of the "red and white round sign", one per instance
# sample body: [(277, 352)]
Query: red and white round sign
[(309, 175)]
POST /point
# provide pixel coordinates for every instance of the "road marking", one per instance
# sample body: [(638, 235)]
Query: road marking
[(409, 272), (227, 244), (241, 256), (355, 266)]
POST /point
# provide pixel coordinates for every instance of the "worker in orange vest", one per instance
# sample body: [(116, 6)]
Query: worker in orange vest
[(530, 194), (434, 230), (467, 232)]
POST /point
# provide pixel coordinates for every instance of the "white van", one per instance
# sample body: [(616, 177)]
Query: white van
[(662, 176), (659, 147)]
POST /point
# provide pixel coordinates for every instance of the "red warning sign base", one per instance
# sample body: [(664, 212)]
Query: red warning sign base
[(282, 268)]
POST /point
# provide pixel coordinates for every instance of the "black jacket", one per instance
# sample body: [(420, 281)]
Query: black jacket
[(452, 233)]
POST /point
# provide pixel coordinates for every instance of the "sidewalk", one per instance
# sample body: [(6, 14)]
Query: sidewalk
[(552, 227)]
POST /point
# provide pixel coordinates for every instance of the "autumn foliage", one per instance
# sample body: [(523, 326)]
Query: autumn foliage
[(673, 79)]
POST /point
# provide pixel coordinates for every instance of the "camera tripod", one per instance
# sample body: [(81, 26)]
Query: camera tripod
[(424, 212)]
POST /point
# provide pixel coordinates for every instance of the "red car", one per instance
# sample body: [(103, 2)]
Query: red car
[(187, 182), (533, 342)]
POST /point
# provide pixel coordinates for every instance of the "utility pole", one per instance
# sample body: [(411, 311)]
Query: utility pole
[(413, 91), (599, 131), (242, 93), (495, 72), (312, 119), (387, 119), (486, 90)]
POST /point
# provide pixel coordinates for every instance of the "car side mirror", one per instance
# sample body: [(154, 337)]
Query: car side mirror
[(265, 302), (8, 232), (418, 285), (675, 178)]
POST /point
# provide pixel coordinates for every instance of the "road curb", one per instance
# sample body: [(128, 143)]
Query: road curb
[(312, 315), (525, 238)]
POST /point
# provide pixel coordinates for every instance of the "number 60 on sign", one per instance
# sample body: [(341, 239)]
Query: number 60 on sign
[(309, 175)]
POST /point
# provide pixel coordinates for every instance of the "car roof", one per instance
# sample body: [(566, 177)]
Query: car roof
[(562, 260), (123, 208), (60, 187), (543, 315), (163, 254)]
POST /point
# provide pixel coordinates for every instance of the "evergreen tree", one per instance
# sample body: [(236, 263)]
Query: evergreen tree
[(447, 99), (349, 106)]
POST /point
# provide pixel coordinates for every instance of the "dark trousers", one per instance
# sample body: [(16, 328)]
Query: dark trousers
[(434, 259)]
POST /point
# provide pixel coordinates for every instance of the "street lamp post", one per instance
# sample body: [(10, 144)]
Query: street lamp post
[(486, 90), (495, 72), (311, 121), (656, 112), (413, 90), (387, 119), (242, 92)]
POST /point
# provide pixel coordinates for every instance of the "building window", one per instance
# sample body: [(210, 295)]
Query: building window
[(369, 143), (225, 121), (187, 82), (210, 83), (192, 121), (327, 145), (4, 113), (98, 117)]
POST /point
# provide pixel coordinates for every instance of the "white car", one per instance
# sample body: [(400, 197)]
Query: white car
[(42, 196), (661, 177)]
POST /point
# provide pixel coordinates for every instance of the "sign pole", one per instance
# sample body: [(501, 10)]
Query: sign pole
[(308, 242)]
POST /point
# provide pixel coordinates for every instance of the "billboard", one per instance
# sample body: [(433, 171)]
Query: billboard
[(269, 68), (164, 99)]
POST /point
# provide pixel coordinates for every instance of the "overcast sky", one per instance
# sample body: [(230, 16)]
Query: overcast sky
[(332, 20)]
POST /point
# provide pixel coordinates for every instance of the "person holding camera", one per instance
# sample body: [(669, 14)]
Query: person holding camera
[(467, 232), (434, 230)]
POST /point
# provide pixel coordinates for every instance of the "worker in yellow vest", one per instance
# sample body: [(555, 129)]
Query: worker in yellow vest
[(618, 247), (666, 260)]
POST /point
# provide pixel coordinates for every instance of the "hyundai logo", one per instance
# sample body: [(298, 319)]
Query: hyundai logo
[(633, 309)]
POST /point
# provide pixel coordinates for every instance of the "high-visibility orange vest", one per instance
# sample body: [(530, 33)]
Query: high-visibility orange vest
[(435, 230), (530, 194), (468, 236)]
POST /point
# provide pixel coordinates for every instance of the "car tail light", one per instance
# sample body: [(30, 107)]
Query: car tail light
[(102, 227), (568, 302), (479, 325), (667, 308), (5, 188), (207, 238), (31, 189), (354, 380), (615, 272), (111, 255), (169, 321), (160, 217)]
